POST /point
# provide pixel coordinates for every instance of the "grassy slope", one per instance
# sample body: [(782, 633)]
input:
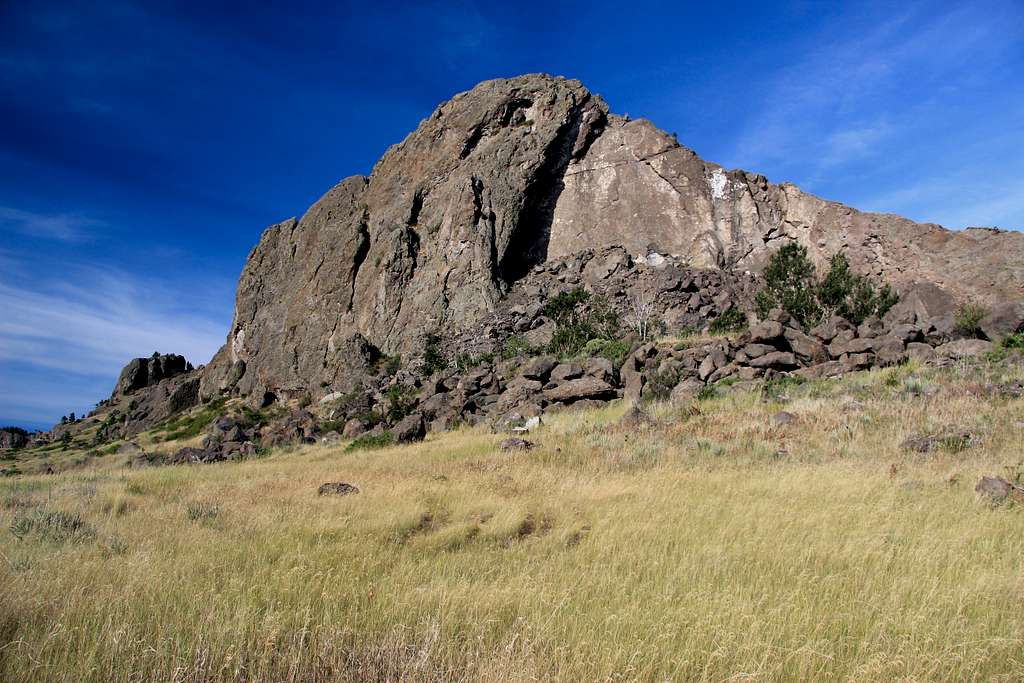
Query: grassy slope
[(713, 547)]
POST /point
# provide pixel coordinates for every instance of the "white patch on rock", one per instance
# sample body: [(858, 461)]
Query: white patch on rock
[(718, 182)]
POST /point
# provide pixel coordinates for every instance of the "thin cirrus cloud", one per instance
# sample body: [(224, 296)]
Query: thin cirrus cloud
[(894, 100), (93, 323), (62, 342), (62, 227)]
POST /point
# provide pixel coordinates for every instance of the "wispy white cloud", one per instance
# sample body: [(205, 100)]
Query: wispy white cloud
[(94, 320), (62, 227), (65, 337), (828, 107)]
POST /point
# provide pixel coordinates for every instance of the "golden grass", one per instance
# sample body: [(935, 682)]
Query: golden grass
[(712, 547)]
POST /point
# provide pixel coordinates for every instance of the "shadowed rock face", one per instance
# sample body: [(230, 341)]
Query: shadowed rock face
[(513, 173)]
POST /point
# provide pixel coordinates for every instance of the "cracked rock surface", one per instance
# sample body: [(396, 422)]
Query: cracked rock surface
[(517, 174)]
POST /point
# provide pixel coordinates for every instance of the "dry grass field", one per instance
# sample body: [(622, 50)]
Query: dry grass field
[(715, 545)]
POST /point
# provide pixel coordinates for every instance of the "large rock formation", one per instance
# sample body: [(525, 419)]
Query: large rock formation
[(507, 176)]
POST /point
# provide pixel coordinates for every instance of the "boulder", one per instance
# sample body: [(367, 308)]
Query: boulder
[(832, 368), (140, 373), (190, 455), (1003, 319), (409, 429), (964, 348), (783, 418), (920, 303), (906, 333), (842, 346), (777, 360), (889, 351), (566, 371), (337, 488), (871, 328), (354, 428), (686, 391), (827, 330), (766, 332), (580, 389), (806, 347), (636, 418), (998, 490), (540, 336), (600, 368), (714, 360), (922, 352), (857, 361), (539, 368)]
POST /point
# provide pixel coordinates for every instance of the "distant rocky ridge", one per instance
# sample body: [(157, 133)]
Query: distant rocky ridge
[(510, 194)]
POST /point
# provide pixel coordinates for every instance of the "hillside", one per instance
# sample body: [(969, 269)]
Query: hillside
[(789, 530)]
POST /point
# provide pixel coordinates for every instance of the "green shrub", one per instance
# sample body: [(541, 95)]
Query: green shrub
[(370, 441), (778, 385), (790, 284), (332, 426), (968, 318), (391, 364), (433, 358), (661, 383), (853, 296), (465, 361), (580, 318), (562, 306), (707, 392), (1013, 341), (400, 402), (731, 320), (515, 346), (202, 511), (615, 350), (188, 425)]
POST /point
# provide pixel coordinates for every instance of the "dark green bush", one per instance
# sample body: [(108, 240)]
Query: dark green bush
[(790, 284), (853, 296), (615, 350), (778, 385), (968, 318), (399, 401), (1013, 341), (370, 441), (433, 358), (580, 318), (732, 320)]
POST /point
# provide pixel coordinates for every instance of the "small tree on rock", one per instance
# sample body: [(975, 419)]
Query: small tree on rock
[(790, 284)]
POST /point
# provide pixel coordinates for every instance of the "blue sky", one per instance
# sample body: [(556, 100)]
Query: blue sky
[(145, 145)]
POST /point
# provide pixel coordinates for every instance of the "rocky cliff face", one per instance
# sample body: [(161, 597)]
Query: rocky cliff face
[(503, 179)]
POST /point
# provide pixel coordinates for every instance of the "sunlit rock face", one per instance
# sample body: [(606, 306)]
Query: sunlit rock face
[(508, 176)]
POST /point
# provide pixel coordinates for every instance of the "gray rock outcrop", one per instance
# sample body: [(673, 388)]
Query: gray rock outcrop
[(515, 174)]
